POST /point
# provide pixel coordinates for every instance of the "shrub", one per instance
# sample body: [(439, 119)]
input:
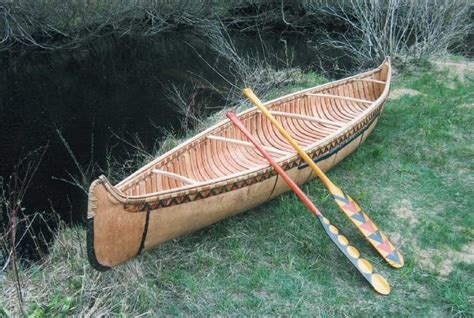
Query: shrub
[(404, 29)]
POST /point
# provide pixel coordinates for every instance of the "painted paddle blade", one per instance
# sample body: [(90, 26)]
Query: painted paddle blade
[(363, 266), (362, 221), (377, 281), (368, 228)]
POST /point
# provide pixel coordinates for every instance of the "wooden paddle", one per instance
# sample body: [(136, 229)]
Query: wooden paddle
[(363, 266), (361, 220)]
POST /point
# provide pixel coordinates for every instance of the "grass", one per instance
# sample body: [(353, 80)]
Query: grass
[(414, 176)]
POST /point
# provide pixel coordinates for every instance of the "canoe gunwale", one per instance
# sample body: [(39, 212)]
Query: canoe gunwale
[(259, 173)]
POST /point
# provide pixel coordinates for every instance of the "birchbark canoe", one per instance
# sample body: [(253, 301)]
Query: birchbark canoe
[(218, 173)]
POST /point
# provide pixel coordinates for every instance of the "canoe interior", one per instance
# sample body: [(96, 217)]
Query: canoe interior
[(210, 156)]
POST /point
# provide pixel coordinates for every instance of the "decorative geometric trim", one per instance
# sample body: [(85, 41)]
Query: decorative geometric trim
[(247, 180), (369, 230)]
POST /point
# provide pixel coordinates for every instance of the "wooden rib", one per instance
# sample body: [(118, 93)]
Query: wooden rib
[(347, 107), (207, 158), (266, 134), (349, 90), (372, 80), (174, 176), (366, 90), (230, 159), (275, 139), (148, 187), (185, 166), (317, 130), (246, 144), (289, 126), (293, 125), (334, 109), (329, 108), (247, 156), (372, 89), (168, 182), (175, 171), (235, 154), (380, 76), (154, 184), (342, 97), (296, 124), (244, 155), (220, 159), (309, 118), (196, 165)]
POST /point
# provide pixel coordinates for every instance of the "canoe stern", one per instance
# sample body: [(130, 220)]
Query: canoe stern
[(106, 248)]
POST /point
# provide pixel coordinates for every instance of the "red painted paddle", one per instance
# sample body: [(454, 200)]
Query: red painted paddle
[(377, 281)]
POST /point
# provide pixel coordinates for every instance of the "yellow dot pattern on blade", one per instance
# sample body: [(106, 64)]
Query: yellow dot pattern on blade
[(380, 284), (353, 252), (364, 266), (343, 240), (333, 229)]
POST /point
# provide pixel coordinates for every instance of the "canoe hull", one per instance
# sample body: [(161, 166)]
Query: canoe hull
[(134, 232)]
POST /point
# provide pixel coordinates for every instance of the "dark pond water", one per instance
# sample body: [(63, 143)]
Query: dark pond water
[(112, 85)]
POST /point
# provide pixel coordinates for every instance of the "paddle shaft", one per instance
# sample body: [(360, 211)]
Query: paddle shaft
[(310, 205)]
